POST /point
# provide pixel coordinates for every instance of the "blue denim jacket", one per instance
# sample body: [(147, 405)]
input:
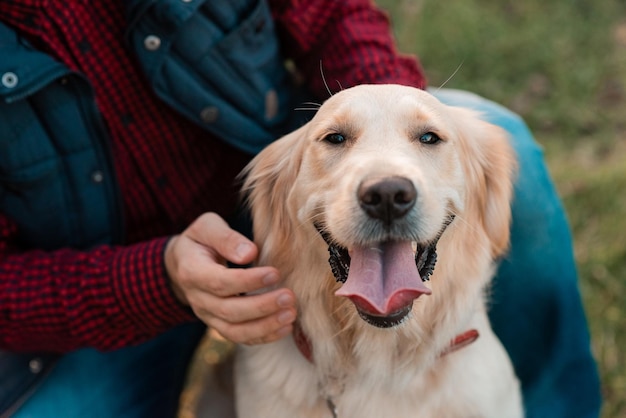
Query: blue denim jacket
[(216, 62)]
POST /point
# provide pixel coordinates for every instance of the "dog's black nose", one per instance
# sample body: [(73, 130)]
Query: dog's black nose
[(387, 198)]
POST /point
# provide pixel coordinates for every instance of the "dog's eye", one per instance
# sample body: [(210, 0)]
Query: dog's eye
[(429, 138), (335, 138)]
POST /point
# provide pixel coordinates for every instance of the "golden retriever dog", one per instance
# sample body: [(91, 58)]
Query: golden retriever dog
[(385, 214)]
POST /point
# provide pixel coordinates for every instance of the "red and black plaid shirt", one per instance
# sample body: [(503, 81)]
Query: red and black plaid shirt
[(170, 171)]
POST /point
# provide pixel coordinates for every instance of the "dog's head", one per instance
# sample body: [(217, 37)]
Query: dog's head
[(383, 173)]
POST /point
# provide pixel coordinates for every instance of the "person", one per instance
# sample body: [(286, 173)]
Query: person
[(123, 125)]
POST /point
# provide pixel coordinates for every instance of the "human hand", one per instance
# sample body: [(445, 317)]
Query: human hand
[(196, 263)]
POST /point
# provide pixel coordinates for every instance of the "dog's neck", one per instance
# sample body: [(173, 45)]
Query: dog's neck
[(303, 342)]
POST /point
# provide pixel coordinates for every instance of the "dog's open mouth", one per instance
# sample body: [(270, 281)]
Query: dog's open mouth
[(383, 279)]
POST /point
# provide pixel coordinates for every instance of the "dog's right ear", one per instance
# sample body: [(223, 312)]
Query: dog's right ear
[(268, 180)]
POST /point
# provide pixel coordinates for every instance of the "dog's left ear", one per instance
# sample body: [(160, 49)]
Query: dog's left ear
[(268, 179), (490, 170)]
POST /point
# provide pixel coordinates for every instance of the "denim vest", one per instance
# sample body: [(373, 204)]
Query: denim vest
[(216, 62)]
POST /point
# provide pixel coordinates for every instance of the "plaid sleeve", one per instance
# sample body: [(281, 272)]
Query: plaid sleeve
[(142, 290), (351, 40), (107, 298)]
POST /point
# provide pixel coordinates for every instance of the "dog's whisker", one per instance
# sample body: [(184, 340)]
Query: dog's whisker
[(316, 215), (310, 221), (470, 226), (451, 76), (330, 93), (318, 105), (314, 106)]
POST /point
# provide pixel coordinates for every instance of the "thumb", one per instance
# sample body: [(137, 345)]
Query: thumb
[(213, 232)]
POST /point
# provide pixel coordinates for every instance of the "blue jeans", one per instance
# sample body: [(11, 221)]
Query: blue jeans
[(536, 311), (136, 382)]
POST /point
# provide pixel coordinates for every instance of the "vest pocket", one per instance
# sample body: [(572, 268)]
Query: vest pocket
[(221, 67), (48, 157), (29, 194)]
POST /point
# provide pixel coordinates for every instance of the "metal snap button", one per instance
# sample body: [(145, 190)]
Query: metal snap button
[(35, 365), (152, 42), (9, 80), (97, 176), (209, 114)]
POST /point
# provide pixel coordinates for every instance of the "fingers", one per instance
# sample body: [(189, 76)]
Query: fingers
[(224, 281), (258, 332), (248, 319), (252, 319), (195, 270), (196, 264), (212, 231), (239, 309)]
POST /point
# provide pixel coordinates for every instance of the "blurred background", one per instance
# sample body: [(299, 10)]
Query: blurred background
[(561, 65)]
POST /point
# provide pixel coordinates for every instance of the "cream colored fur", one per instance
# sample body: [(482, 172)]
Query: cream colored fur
[(368, 371)]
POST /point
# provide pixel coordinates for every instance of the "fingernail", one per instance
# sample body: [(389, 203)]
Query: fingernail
[(270, 279), (284, 300), (243, 249), (286, 317)]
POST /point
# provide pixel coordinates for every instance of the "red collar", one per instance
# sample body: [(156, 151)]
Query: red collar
[(460, 341), (304, 344)]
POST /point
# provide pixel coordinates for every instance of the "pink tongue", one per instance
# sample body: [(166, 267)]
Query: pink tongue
[(383, 279)]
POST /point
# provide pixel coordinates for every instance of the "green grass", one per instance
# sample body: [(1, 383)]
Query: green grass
[(562, 66)]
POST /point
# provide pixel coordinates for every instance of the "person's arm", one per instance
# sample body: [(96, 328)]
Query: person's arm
[(112, 297), (350, 39), (107, 297)]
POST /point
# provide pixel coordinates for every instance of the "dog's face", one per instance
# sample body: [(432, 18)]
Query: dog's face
[(381, 172), (381, 167)]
